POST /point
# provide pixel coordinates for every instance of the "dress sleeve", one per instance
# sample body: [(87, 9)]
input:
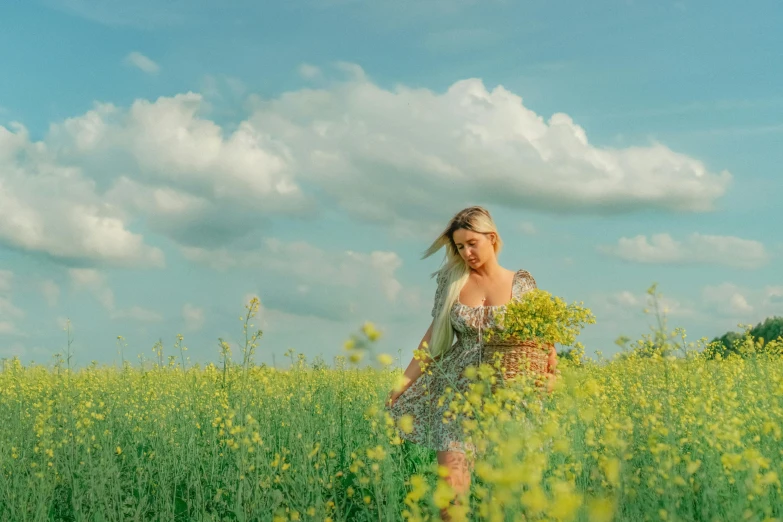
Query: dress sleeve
[(439, 293), (528, 282)]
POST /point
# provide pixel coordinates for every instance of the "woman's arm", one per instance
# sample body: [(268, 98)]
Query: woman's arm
[(413, 371), (551, 368)]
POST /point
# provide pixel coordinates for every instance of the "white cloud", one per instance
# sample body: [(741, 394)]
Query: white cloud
[(138, 60), (469, 143), (697, 248), (380, 155), (95, 282), (51, 208), (718, 308), (334, 285), (353, 71), (626, 303), (179, 170), (167, 142), (727, 299), (742, 303), (50, 291), (193, 317)]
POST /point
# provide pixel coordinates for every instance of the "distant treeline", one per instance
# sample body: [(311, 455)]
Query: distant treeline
[(771, 329), (763, 333)]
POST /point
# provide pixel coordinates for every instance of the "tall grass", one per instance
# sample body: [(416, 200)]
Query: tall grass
[(646, 436)]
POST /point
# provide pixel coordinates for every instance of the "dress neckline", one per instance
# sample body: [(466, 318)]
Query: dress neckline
[(513, 284)]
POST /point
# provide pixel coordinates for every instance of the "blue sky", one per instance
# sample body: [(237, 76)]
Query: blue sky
[(161, 164)]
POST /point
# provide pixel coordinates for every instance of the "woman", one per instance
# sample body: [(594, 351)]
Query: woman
[(472, 288)]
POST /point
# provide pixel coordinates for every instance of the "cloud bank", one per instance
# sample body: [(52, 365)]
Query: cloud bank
[(90, 191), (696, 248)]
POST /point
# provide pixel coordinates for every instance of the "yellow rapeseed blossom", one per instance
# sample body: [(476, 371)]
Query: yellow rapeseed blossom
[(566, 502), (443, 494), (370, 331), (600, 509), (655, 425), (419, 488), (534, 500), (385, 359), (406, 423), (611, 468)]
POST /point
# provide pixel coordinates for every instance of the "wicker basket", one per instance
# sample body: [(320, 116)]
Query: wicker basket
[(517, 357)]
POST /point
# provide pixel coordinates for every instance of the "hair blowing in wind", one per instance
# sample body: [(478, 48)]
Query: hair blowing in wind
[(455, 271)]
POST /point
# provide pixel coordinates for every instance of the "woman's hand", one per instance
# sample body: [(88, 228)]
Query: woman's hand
[(551, 368), (392, 398), (398, 390), (551, 363)]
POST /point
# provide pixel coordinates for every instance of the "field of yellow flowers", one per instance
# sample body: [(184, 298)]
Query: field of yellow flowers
[(645, 437)]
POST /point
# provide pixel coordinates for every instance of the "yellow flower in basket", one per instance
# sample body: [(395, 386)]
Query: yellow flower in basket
[(528, 329)]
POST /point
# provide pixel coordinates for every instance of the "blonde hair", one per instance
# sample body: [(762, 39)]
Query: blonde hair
[(454, 274)]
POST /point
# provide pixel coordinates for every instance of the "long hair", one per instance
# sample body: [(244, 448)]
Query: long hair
[(454, 273)]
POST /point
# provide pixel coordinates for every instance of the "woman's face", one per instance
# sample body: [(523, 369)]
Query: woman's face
[(474, 248)]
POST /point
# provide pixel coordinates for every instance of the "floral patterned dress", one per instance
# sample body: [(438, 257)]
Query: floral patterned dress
[(422, 400)]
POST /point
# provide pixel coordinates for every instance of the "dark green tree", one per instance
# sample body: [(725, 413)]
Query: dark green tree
[(565, 352), (729, 343)]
